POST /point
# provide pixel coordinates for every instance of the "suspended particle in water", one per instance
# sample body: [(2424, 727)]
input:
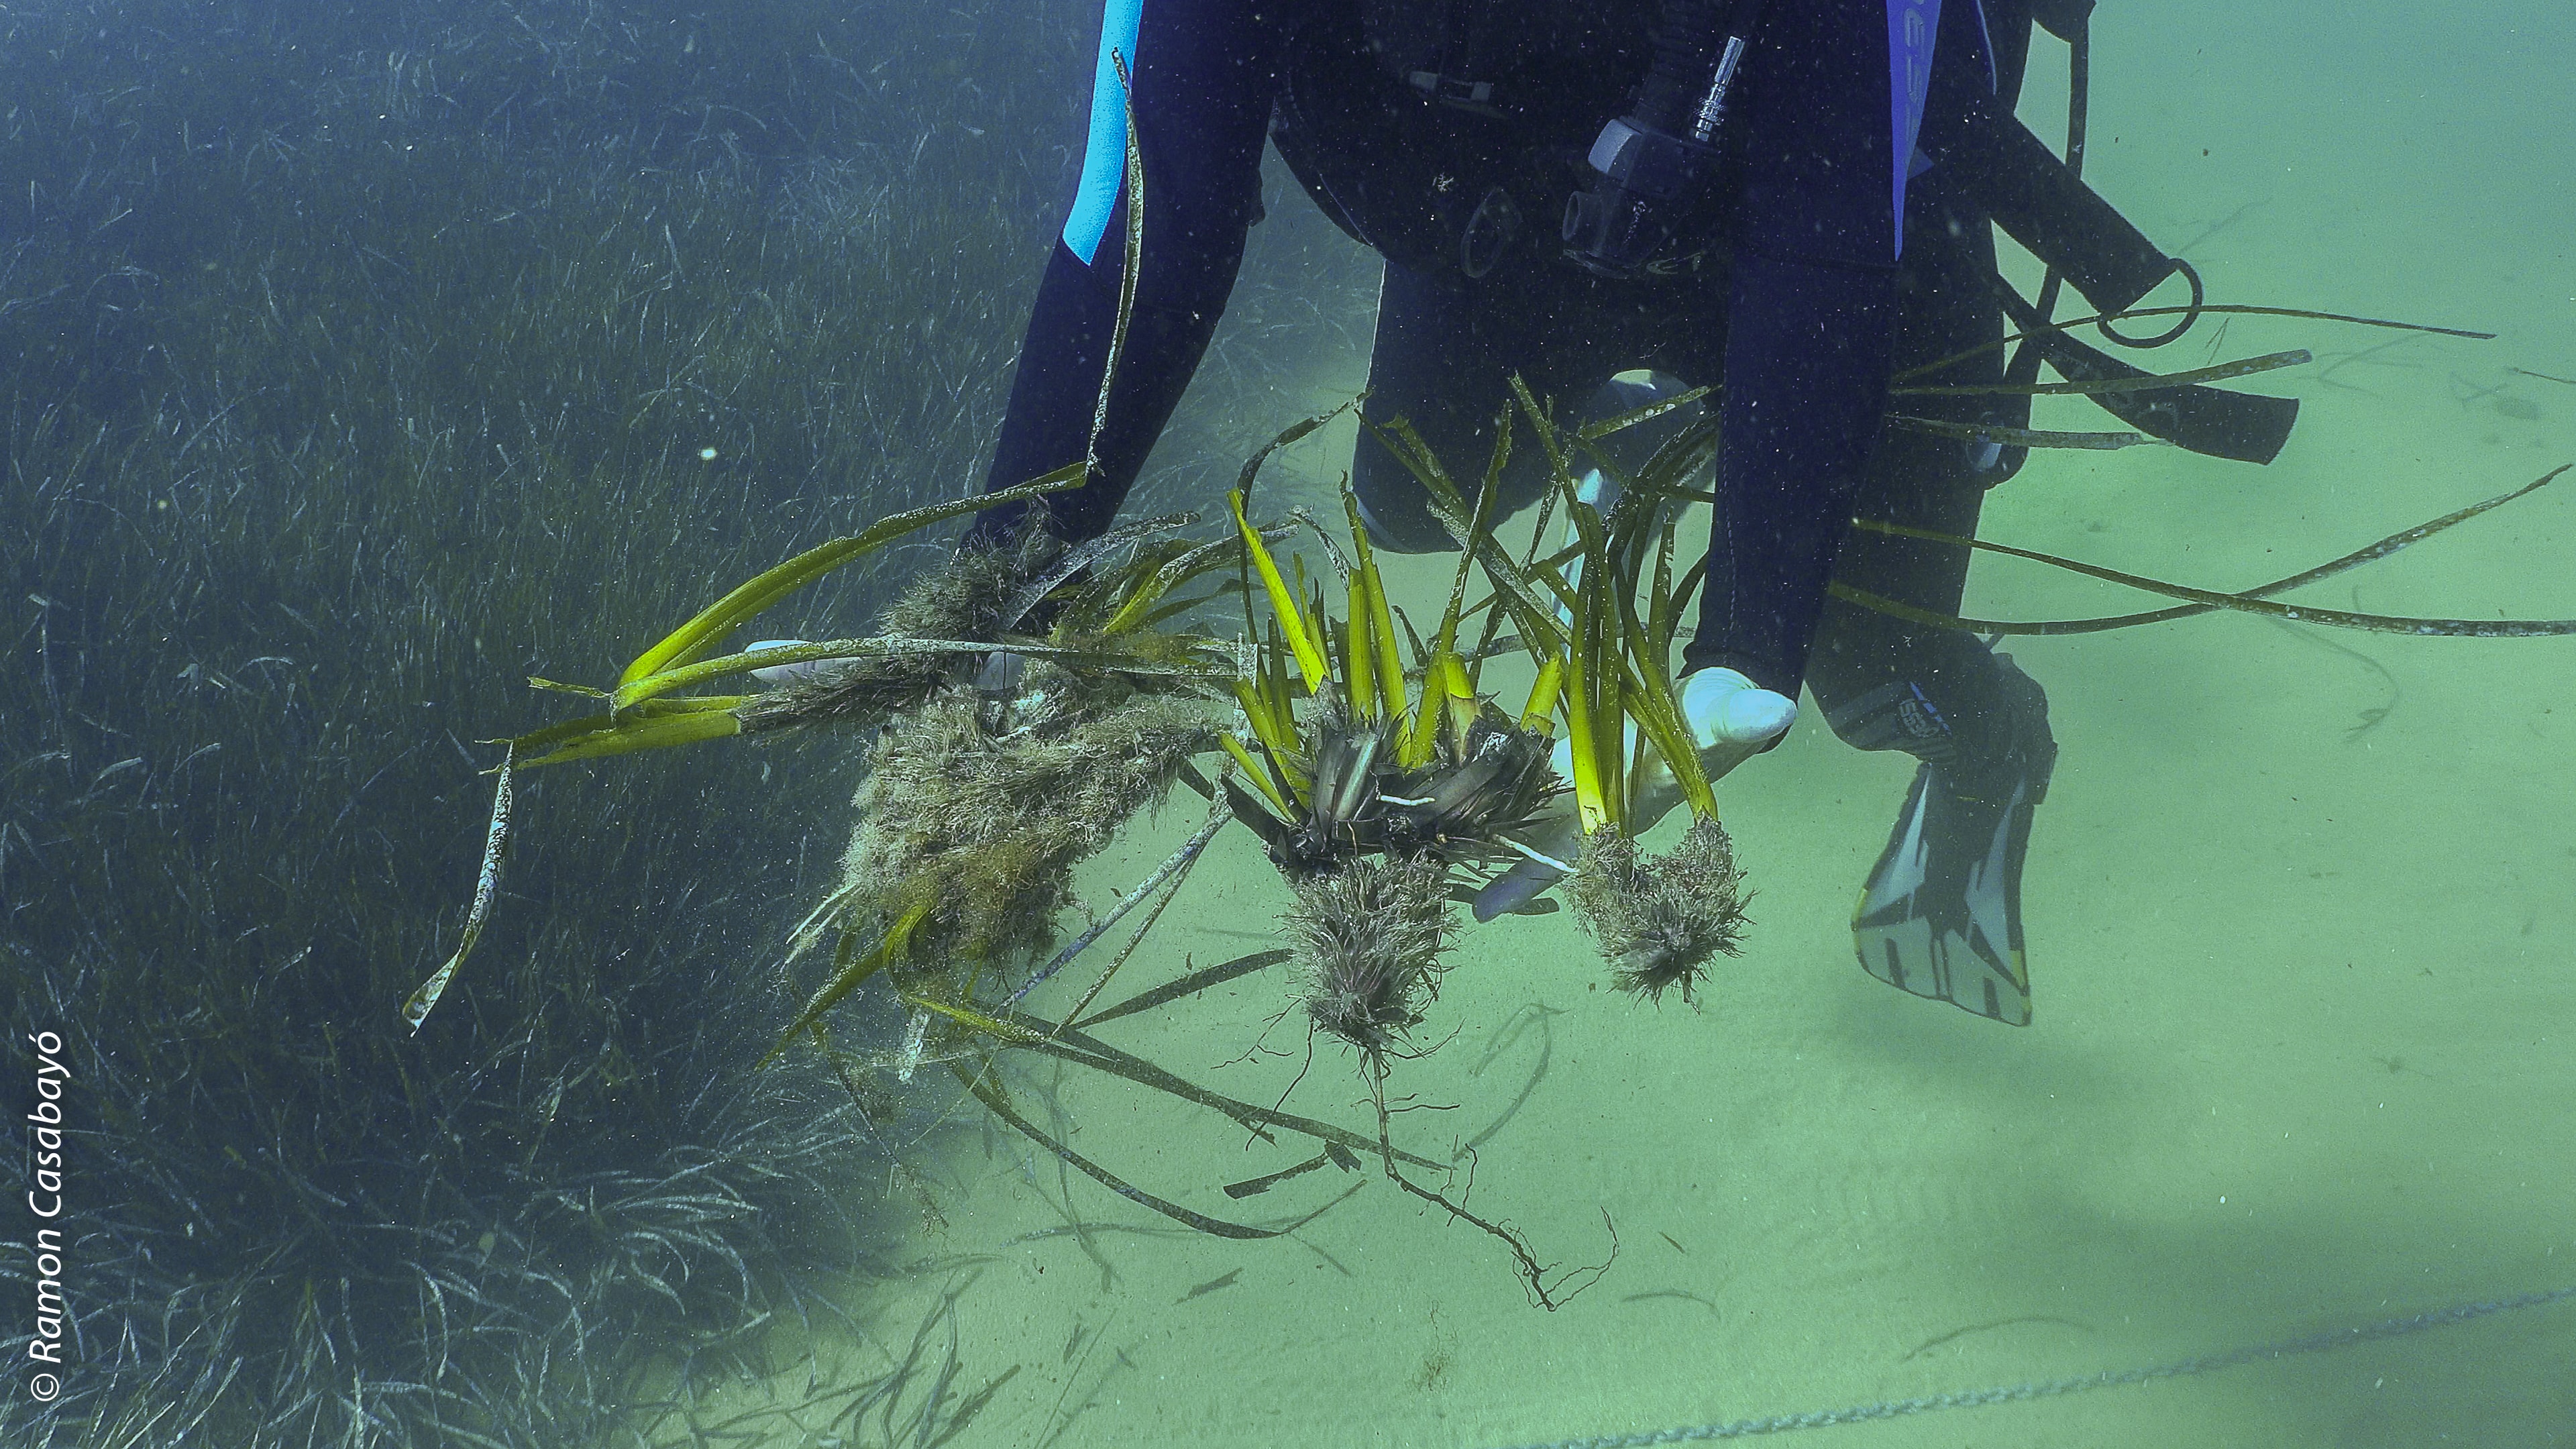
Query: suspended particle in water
[(706, 455), (914, 1031)]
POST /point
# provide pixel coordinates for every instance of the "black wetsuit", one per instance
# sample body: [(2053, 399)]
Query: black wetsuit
[(1802, 306)]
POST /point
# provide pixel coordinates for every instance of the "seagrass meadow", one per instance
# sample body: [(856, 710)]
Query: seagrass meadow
[(355, 361)]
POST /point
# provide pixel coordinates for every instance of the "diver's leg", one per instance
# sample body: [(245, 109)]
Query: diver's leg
[(1444, 358), (1630, 450), (1434, 366), (1941, 913)]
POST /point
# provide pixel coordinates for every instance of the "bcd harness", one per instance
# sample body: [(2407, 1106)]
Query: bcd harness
[(1456, 137)]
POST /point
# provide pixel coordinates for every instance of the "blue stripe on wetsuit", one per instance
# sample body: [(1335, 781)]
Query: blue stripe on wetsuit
[(1104, 156), (1912, 28)]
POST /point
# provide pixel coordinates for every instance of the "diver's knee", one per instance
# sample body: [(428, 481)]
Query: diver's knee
[(1994, 719)]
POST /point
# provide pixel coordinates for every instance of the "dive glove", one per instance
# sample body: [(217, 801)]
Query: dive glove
[(1730, 717)]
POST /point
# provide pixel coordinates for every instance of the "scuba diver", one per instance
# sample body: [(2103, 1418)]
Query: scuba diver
[(1792, 202)]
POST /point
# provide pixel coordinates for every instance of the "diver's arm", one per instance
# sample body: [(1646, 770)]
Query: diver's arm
[(1203, 78), (1810, 331), (1807, 354)]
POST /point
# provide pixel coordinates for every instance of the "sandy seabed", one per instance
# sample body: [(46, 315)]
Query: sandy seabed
[(2299, 913)]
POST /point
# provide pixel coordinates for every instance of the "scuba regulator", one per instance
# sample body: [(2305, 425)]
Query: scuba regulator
[(1652, 166)]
